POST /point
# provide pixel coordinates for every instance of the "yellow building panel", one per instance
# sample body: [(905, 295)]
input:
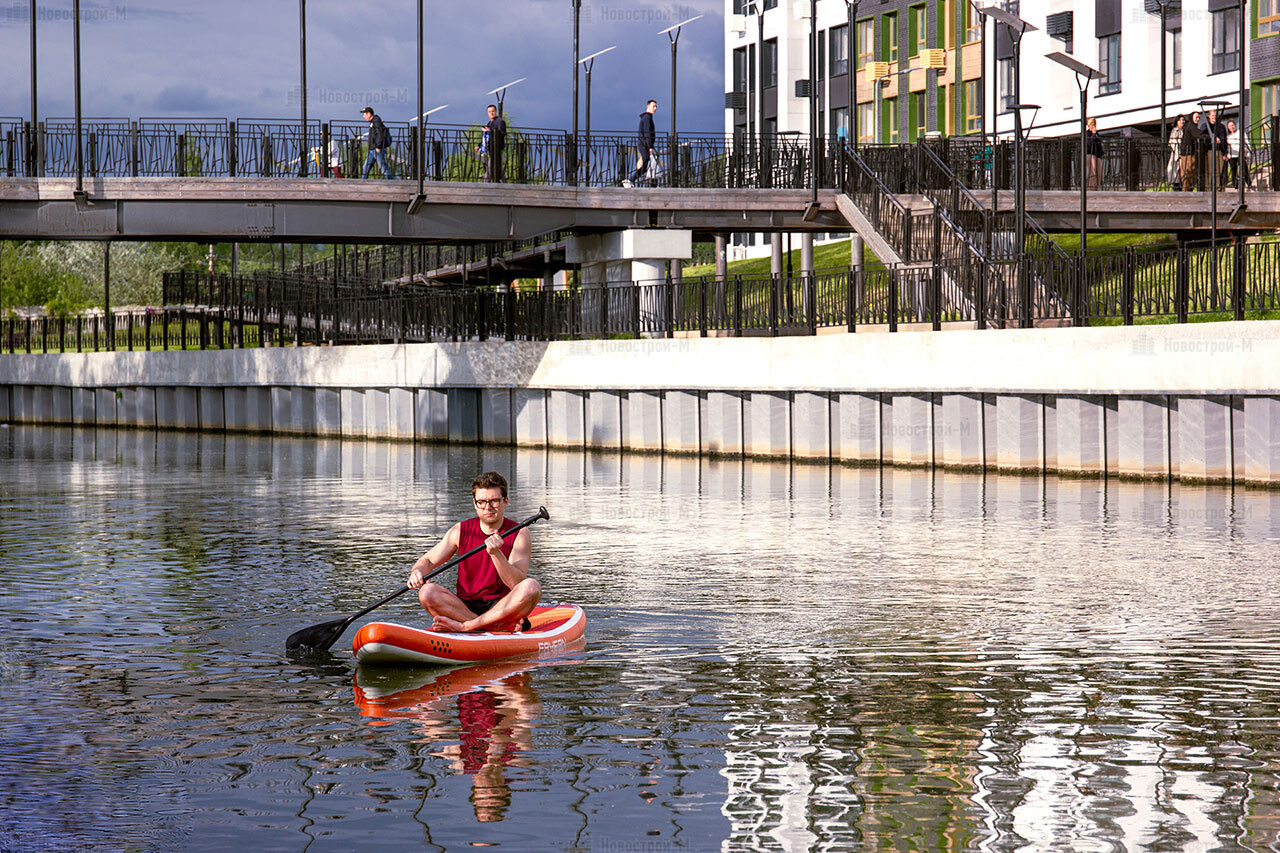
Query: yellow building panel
[(971, 61)]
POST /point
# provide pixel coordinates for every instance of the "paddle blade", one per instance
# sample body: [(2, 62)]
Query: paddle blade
[(317, 637)]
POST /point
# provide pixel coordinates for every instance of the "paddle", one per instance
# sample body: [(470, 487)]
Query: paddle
[(322, 636)]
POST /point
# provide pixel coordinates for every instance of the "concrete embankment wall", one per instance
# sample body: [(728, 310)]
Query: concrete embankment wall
[(1194, 402)]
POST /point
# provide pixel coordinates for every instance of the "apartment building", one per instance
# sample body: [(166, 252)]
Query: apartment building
[(931, 60)]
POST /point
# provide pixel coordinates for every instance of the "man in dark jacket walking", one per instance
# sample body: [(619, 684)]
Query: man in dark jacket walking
[(648, 138), (495, 137), (379, 142), (1189, 151)]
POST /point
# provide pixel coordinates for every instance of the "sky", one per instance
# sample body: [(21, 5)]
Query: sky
[(239, 59)]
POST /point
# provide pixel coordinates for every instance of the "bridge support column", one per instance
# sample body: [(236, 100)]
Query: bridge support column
[(618, 258)]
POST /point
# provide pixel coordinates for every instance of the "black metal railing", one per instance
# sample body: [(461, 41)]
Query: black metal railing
[(273, 148), (252, 147), (1236, 278), (887, 214)]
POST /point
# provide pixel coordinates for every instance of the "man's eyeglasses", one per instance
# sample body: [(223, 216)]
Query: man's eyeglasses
[(493, 503)]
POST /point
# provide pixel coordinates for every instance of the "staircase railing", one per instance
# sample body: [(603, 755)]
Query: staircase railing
[(887, 213)]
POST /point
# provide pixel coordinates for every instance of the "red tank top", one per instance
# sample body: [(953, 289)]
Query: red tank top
[(477, 576)]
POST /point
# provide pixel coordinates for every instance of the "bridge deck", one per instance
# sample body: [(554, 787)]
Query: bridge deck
[(377, 211), (344, 210)]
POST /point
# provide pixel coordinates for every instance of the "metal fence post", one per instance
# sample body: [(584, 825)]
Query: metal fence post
[(893, 300), (908, 226), (669, 308), (773, 305), (326, 168), (232, 153), (737, 305), (850, 305), (1275, 152), (702, 307), (1183, 287), (1240, 276)]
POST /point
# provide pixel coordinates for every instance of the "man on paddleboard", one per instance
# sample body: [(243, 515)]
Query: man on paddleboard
[(494, 591)]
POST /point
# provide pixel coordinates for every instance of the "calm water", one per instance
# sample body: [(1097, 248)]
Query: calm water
[(778, 657)]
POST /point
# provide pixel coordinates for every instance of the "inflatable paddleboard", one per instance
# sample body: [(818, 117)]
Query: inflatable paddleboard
[(552, 629)]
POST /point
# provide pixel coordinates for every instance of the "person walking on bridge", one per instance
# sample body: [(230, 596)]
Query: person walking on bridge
[(647, 139), (379, 142), (494, 138)]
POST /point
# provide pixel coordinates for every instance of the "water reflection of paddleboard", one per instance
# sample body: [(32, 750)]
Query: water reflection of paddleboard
[(552, 630), (384, 692)]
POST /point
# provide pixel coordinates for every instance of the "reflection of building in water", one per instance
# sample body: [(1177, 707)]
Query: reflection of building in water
[(495, 706)]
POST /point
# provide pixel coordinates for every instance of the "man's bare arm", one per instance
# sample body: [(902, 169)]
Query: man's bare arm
[(437, 556), (515, 568)]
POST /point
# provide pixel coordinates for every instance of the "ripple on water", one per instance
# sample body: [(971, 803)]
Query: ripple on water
[(779, 657)]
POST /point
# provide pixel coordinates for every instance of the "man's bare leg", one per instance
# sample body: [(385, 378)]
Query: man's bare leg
[(507, 614), (442, 604)]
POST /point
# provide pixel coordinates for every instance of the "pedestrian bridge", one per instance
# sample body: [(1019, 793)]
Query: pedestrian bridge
[(225, 180)]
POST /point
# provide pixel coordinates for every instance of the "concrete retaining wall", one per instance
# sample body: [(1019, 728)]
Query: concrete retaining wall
[(1196, 403)]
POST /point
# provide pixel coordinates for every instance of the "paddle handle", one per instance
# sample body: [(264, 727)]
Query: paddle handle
[(541, 514)]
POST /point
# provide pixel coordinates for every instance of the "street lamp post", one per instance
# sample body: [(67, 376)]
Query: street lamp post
[(813, 110), (31, 142), (573, 154), (302, 66), (673, 35), (1020, 208), (75, 30), (1084, 76), (1164, 50), (587, 63)]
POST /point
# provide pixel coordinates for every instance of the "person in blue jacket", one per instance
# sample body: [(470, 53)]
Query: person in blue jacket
[(647, 137)]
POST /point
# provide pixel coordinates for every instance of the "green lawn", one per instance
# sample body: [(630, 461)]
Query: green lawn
[(1112, 242), (828, 256)]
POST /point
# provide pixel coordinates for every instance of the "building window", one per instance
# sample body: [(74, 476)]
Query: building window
[(1109, 65), (740, 70), (944, 98), (1226, 41), (840, 123), (1175, 59), (972, 106), (1006, 85), (866, 42), (889, 133), (1269, 99), (770, 127), (770, 60), (889, 32), (839, 51), (1268, 17), (918, 34), (918, 115), (866, 122), (973, 24), (822, 55)]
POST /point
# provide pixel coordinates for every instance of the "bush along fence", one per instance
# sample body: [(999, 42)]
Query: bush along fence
[(1234, 279)]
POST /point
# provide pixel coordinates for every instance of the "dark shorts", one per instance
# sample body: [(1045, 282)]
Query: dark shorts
[(479, 606)]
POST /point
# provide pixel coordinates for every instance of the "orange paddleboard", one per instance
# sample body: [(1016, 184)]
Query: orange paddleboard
[(552, 629)]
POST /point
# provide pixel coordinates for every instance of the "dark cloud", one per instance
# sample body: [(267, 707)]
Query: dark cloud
[(237, 58)]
